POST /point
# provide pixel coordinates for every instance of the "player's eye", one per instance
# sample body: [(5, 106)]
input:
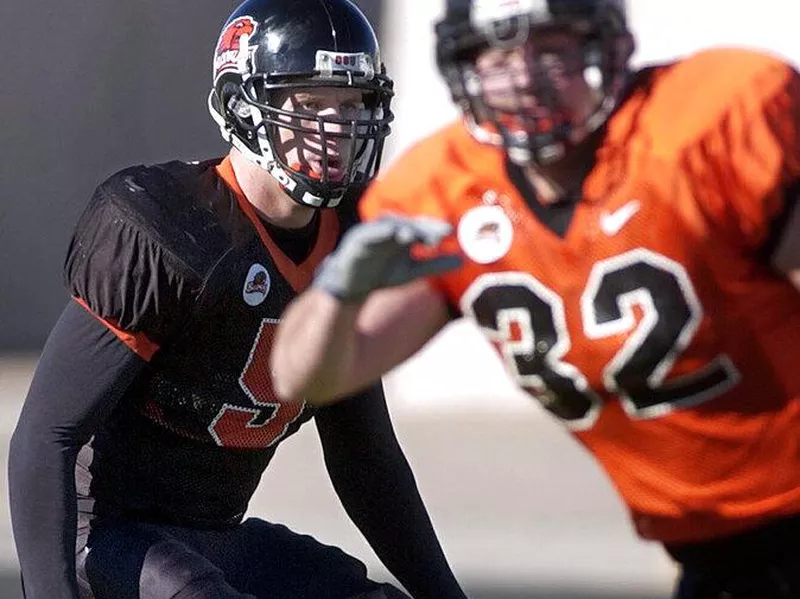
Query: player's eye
[(351, 109), (496, 58), (310, 105)]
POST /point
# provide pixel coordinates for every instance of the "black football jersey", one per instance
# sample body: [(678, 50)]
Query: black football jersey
[(175, 261)]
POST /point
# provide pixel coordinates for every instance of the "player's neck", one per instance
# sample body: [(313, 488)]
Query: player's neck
[(267, 196), (564, 179)]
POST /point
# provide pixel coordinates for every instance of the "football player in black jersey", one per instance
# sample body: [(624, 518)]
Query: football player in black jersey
[(151, 416)]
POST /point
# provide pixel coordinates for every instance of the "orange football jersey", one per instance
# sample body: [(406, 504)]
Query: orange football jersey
[(654, 328)]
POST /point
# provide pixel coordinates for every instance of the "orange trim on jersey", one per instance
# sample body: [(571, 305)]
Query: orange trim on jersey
[(137, 342), (298, 275)]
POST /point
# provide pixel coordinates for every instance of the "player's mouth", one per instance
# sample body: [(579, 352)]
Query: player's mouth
[(530, 117), (336, 169)]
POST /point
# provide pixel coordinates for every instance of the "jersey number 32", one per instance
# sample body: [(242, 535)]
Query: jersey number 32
[(526, 322)]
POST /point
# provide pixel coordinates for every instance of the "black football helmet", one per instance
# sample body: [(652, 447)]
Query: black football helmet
[(540, 135), (269, 48)]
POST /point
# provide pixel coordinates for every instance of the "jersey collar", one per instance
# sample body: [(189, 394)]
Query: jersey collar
[(298, 275)]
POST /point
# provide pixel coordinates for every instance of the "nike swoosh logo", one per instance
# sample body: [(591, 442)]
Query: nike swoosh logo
[(611, 223)]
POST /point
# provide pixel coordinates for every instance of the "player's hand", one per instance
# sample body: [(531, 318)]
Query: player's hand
[(378, 254)]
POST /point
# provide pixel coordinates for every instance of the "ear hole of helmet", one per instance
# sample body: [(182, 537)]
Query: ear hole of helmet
[(231, 99)]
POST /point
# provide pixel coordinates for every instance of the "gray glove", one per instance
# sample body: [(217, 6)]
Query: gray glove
[(377, 254)]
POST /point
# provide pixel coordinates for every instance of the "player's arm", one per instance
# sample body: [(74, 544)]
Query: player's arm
[(326, 348), (129, 298), (369, 309), (377, 489), (82, 372)]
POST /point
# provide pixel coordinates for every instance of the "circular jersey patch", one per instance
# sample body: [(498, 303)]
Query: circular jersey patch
[(485, 234), (256, 285)]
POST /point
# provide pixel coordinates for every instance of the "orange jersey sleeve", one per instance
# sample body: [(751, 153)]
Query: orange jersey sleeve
[(753, 154), (408, 187), (412, 187)]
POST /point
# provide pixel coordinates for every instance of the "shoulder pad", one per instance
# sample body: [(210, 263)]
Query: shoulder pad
[(135, 257)]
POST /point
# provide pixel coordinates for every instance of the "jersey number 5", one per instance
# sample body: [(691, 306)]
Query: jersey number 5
[(269, 418), (526, 322)]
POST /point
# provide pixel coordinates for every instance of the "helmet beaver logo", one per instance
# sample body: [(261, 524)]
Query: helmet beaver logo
[(258, 284), (231, 52)]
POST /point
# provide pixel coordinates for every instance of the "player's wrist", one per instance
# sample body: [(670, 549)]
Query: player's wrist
[(337, 282)]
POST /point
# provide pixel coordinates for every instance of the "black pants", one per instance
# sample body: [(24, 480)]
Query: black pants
[(255, 560), (759, 564)]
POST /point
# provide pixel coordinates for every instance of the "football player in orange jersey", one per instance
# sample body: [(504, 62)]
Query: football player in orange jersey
[(629, 244)]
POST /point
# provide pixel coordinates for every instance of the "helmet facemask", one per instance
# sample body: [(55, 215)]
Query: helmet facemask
[(535, 88), (320, 148), (259, 119)]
